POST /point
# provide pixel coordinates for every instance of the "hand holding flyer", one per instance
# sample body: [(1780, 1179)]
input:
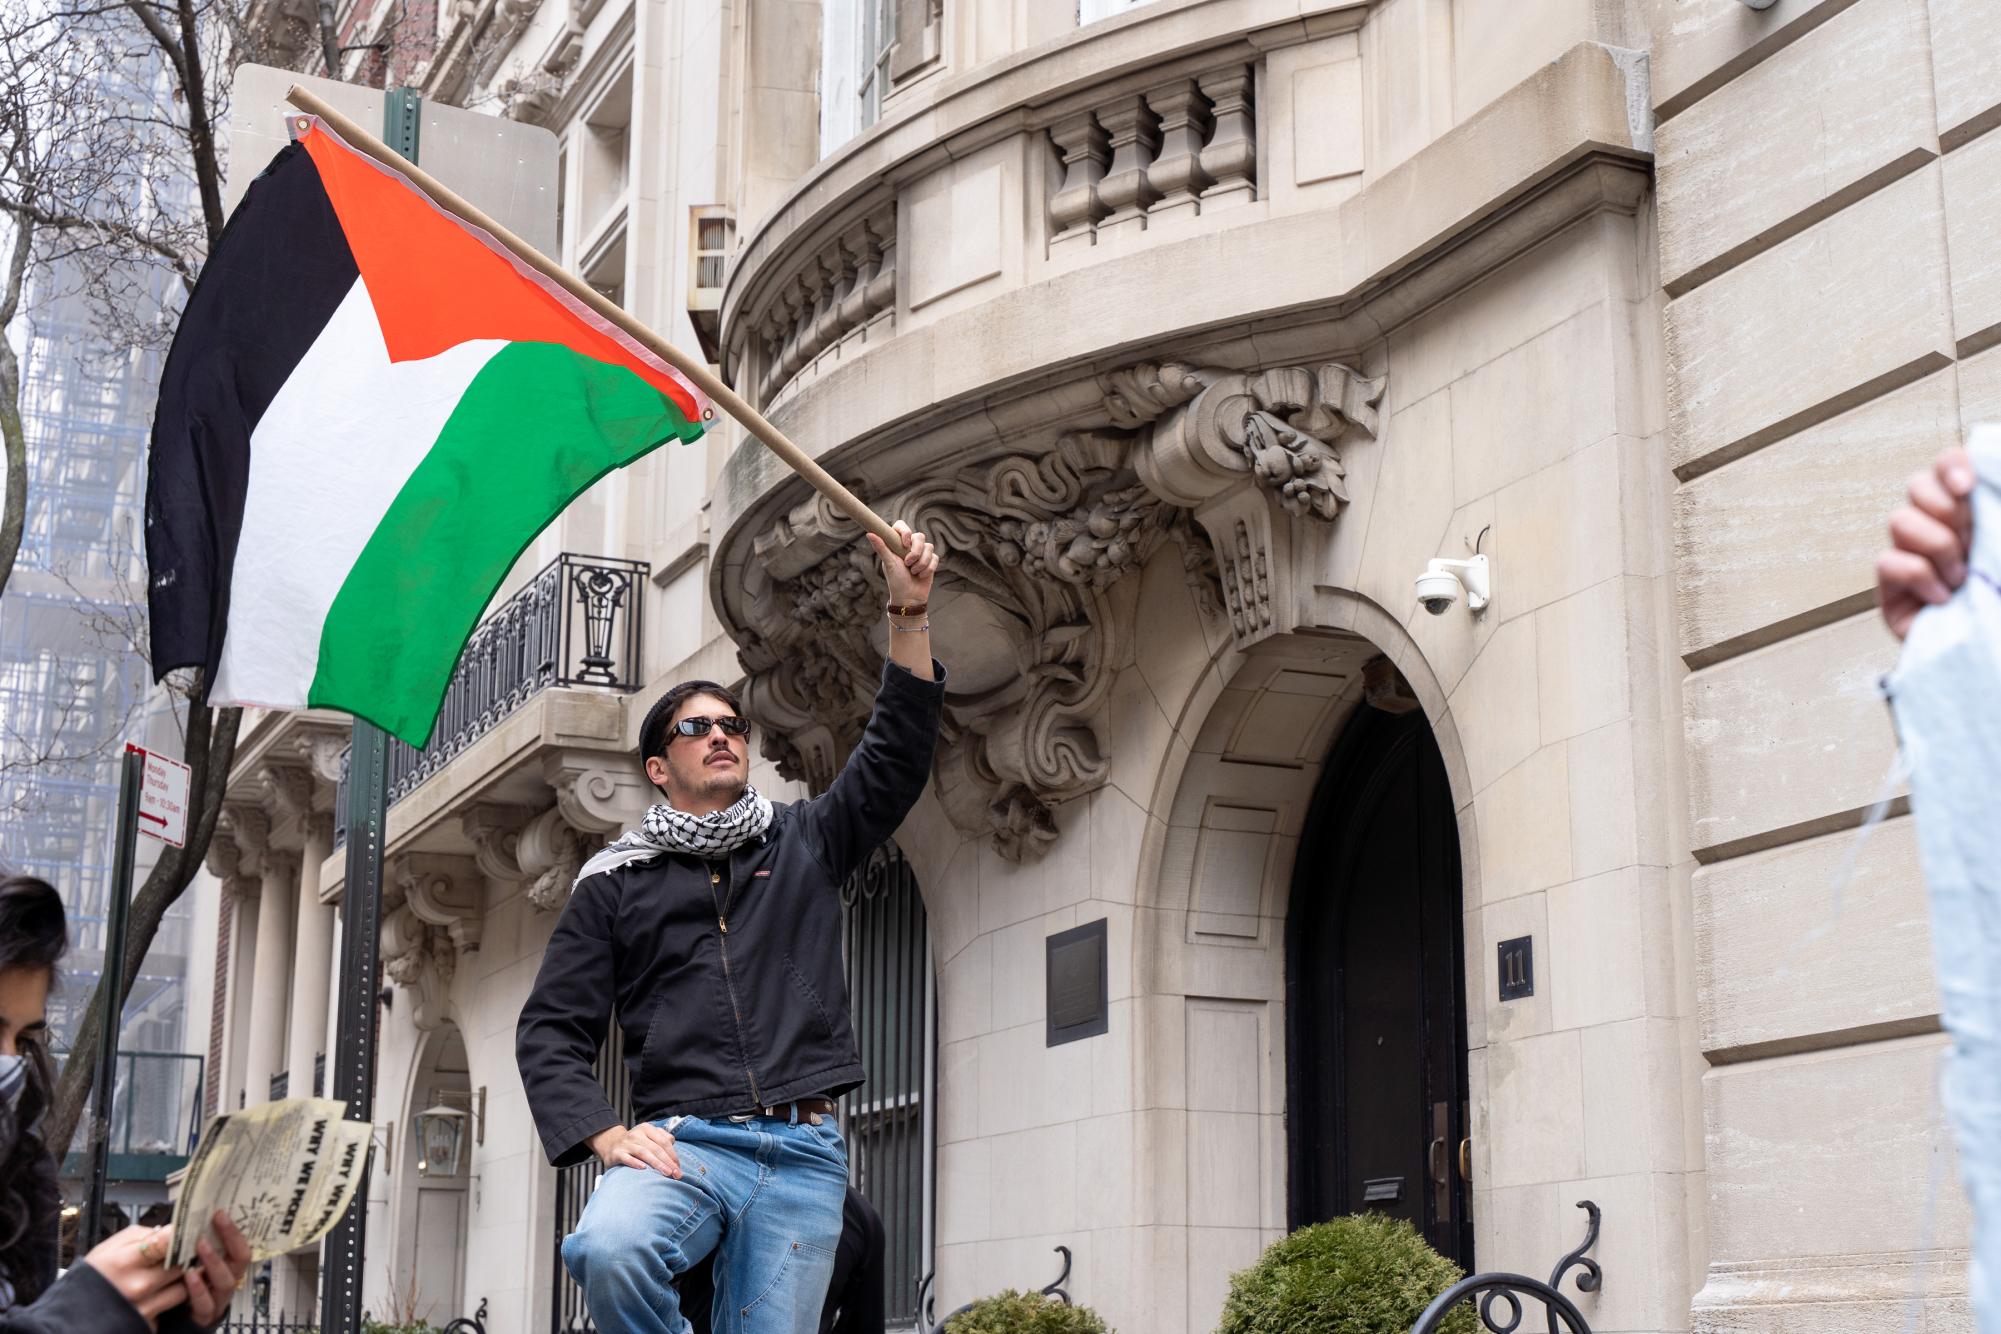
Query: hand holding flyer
[(283, 1171)]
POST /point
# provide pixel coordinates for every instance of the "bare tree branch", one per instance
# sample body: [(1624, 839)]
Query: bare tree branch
[(14, 512), (106, 229), (163, 36)]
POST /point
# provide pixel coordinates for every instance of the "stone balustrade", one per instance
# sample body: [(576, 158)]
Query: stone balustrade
[(843, 288), (944, 202), (1179, 149)]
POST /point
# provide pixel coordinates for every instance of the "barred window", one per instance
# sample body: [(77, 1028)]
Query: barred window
[(888, 1122)]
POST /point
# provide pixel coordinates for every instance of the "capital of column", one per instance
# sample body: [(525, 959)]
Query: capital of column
[(281, 865)]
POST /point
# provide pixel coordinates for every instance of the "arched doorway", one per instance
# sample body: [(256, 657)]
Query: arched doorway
[(430, 1278), (1377, 1114)]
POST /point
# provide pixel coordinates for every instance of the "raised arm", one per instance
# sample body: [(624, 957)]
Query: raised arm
[(886, 774)]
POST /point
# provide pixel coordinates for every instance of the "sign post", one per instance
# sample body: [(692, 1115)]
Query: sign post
[(118, 908), (361, 924)]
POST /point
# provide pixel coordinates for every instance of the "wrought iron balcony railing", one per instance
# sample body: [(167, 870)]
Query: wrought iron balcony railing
[(576, 623)]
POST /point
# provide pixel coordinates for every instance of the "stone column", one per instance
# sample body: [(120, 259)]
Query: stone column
[(270, 973), (313, 958), (330, 1001)]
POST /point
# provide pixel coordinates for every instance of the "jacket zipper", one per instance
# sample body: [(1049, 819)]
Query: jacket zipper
[(729, 983)]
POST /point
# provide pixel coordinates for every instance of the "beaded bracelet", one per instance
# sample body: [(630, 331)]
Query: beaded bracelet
[(912, 629)]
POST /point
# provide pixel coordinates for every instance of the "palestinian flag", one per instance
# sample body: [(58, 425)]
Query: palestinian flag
[(370, 410)]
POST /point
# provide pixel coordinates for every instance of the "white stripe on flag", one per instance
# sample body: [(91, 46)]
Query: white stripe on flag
[(328, 457)]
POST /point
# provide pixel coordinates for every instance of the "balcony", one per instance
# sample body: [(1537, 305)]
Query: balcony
[(576, 623)]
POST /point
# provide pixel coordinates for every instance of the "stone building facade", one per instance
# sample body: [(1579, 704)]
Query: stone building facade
[(1195, 329)]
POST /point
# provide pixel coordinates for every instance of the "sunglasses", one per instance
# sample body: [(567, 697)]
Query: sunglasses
[(701, 726)]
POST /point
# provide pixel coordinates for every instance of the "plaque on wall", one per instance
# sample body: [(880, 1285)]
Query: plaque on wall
[(1078, 1007)]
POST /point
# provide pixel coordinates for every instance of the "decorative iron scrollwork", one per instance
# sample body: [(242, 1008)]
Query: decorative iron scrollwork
[(1500, 1296)]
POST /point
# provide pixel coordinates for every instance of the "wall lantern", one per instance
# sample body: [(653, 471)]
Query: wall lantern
[(441, 1141)]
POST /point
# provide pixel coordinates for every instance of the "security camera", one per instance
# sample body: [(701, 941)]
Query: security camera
[(1438, 587)]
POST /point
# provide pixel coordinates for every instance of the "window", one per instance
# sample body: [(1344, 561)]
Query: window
[(856, 37), (1090, 11)]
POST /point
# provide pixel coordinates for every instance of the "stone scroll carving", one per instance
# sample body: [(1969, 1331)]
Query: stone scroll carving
[(1038, 542), (1246, 454), (439, 918), (541, 853)]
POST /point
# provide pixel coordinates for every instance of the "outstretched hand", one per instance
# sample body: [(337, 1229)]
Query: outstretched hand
[(1930, 536), (908, 576)]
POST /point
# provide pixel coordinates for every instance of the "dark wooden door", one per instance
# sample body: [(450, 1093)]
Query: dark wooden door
[(1377, 1034)]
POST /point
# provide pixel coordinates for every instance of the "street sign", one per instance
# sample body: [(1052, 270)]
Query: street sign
[(163, 798)]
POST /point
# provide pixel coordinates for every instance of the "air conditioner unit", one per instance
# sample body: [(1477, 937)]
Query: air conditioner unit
[(711, 232)]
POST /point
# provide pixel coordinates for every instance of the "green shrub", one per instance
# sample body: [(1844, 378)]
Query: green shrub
[(1368, 1274), (371, 1326), (1025, 1313)]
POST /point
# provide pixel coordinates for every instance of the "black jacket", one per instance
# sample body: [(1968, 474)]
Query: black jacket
[(82, 1301), (716, 1023)]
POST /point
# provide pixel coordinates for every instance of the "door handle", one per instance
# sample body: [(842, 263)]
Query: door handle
[(1437, 1161), (1466, 1159)]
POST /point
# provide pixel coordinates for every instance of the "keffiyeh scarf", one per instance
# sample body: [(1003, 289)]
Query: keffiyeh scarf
[(667, 830)]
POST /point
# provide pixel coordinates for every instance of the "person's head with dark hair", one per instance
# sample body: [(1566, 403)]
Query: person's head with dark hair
[(695, 746), (33, 938)]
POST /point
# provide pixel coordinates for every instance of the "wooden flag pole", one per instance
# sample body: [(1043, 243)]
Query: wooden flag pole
[(719, 393)]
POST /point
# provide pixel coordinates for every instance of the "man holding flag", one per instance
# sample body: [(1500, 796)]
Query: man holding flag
[(714, 932), (376, 398)]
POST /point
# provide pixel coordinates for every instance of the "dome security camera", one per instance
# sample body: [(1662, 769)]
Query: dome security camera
[(1440, 584)]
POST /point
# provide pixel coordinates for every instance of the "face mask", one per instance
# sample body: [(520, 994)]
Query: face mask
[(13, 1078)]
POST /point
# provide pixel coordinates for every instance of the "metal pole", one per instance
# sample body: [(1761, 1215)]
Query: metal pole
[(353, 1058), (114, 1006), (354, 1048)]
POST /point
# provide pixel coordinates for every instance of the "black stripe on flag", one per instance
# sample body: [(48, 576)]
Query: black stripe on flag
[(275, 278)]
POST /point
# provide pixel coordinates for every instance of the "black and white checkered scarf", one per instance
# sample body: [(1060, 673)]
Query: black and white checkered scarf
[(667, 830)]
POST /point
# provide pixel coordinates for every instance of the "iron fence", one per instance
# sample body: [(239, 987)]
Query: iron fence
[(574, 1186), (576, 623), (887, 1121)]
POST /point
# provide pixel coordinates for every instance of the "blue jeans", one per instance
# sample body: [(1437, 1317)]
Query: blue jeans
[(764, 1194)]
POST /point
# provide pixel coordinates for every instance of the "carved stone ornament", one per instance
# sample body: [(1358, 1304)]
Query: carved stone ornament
[(494, 830), (444, 892), (542, 852), (225, 863), (249, 829), (292, 790), (1037, 544), (422, 960), (326, 754), (594, 796), (552, 853), (1248, 454)]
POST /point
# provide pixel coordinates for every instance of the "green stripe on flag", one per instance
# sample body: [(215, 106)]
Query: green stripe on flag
[(537, 426)]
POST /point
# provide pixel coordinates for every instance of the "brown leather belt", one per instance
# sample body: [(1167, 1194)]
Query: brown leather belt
[(809, 1110)]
